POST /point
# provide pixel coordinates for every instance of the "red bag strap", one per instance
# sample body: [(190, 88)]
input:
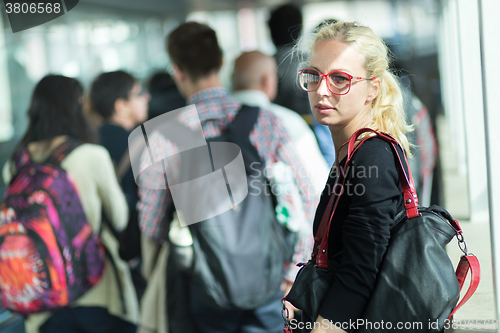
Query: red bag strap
[(406, 180), (321, 232), (320, 252), (467, 262), (320, 248)]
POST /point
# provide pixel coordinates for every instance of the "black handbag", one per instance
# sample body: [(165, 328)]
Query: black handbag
[(417, 288)]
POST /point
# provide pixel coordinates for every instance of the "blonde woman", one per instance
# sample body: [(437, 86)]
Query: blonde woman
[(350, 87)]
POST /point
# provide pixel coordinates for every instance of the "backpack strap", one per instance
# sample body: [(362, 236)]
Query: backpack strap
[(244, 121), (125, 162), (20, 159), (239, 132), (62, 151)]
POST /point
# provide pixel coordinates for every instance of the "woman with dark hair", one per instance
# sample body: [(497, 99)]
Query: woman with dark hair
[(56, 98), (56, 117)]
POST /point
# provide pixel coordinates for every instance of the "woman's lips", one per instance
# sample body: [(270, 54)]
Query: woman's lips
[(324, 109)]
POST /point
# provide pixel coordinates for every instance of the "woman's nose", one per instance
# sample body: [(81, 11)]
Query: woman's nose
[(323, 88)]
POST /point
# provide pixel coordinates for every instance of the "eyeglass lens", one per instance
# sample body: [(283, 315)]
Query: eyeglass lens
[(338, 82)]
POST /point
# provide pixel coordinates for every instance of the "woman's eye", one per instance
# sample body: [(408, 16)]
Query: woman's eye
[(338, 78)]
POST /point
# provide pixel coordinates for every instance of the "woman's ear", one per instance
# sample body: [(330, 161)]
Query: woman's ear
[(373, 89)]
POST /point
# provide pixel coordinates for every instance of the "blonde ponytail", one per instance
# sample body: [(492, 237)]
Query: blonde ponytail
[(387, 114)]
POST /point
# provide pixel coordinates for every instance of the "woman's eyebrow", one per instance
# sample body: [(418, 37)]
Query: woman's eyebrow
[(339, 70), (331, 70)]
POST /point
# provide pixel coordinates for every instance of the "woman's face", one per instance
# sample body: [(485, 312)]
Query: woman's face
[(352, 109)]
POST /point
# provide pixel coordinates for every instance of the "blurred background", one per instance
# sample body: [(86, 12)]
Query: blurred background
[(447, 50)]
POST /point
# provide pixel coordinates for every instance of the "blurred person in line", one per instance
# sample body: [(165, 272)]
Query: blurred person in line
[(56, 117), (123, 104), (120, 100), (197, 60), (255, 83), (164, 95), (285, 25), (350, 87)]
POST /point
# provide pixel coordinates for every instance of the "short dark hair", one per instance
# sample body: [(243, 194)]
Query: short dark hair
[(56, 109), (285, 24), (107, 88), (160, 82), (194, 48)]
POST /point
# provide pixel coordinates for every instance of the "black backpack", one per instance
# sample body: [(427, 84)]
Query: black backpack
[(239, 256)]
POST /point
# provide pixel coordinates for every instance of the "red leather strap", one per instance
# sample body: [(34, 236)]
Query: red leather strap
[(322, 255), (467, 262), (408, 187), (321, 232), (457, 226), (322, 228), (320, 248), (407, 184)]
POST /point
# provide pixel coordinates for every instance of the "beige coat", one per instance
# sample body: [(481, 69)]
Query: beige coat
[(154, 302)]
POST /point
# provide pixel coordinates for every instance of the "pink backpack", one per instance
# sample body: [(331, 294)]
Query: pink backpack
[(49, 255)]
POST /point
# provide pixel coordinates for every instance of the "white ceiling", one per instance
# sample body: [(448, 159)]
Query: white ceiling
[(182, 7)]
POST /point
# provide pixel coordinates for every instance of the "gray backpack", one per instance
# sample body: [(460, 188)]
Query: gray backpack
[(239, 256)]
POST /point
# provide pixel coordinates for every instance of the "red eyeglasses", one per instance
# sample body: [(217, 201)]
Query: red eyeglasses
[(338, 83)]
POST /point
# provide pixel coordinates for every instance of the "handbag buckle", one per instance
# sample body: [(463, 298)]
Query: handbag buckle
[(286, 315), (461, 243)]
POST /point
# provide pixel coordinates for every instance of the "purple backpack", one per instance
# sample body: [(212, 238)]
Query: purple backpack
[(49, 254)]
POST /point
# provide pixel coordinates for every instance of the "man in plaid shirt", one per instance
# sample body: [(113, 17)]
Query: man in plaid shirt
[(197, 59)]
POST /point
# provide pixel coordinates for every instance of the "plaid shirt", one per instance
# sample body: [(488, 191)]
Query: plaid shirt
[(216, 109)]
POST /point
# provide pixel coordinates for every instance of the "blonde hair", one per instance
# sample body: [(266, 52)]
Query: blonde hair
[(387, 112)]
